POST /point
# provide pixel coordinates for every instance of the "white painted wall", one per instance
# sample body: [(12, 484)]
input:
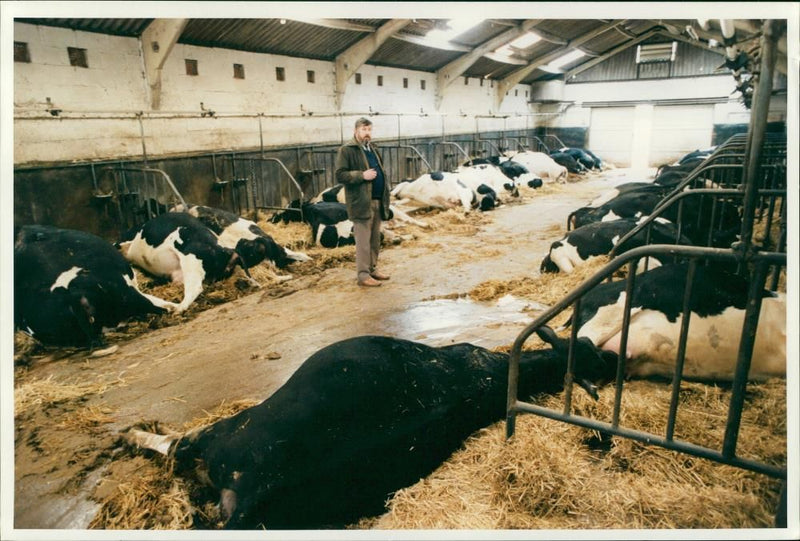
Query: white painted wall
[(657, 132), (100, 103)]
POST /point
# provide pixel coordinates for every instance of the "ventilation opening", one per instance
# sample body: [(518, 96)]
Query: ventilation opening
[(21, 52), (238, 71), (77, 57), (191, 66), (656, 52)]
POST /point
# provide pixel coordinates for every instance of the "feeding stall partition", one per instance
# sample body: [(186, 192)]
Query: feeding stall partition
[(262, 182), (140, 193)]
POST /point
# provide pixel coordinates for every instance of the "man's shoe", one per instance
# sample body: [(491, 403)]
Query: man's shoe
[(369, 282), (379, 276)]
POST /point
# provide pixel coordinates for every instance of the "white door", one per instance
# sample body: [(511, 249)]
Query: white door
[(679, 129), (611, 134)]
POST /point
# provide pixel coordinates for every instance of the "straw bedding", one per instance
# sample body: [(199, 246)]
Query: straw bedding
[(557, 476)]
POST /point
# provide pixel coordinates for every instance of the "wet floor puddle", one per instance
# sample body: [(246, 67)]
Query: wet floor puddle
[(446, 321)]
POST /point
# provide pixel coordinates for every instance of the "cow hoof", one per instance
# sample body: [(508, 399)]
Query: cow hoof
[(104, 352)]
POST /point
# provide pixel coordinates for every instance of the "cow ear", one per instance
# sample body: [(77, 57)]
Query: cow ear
[(548, 335)]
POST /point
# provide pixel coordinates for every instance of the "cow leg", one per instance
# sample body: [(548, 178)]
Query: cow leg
[(403, 217), (192, 274), (297, 256), (160, 443), (160, 303)]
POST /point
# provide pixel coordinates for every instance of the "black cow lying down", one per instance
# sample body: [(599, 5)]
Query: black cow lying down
[(70, 284), (357, 421)]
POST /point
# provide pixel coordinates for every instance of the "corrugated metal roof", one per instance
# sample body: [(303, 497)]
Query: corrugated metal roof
[(291, 38), (402, 54), (115, 27), (325, 39)]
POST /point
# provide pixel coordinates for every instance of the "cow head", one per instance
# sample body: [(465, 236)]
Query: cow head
[(592, 365), (548, 265), (256, 250), (578, 217)]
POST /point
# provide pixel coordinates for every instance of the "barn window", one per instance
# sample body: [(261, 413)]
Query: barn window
[(358, 78), (380, 80), (280, 74), (310, 76), (405, 82), (481, 80), (21, 52), (466, 81), (516, 93), (191, 66), (77, 57), (422, 84), (238, 71)]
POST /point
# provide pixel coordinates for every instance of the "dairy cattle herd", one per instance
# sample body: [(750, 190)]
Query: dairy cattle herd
[(366, 416)]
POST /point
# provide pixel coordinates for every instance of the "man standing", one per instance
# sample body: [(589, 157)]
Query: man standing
[(366, 190)]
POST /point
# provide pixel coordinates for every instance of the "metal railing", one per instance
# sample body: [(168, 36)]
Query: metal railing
[(261, 192), (140, 193), (727, 454)]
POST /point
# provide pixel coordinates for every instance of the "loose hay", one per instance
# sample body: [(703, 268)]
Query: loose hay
[(147, 496), (139, 493), (550, 476), (41, 393)]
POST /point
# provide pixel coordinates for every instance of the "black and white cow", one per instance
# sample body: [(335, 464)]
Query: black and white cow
[(517, 172), (699, 153), (330, 227), (477, 176), (696, 214), (584, 157), (178, 246), (244, 236), (684, 167), (631, 204), (334, 194), (639, 187), (541, 165), (572, 165), (715, 324), (359, 420), (69, 285), (599, 238), (443, 190)]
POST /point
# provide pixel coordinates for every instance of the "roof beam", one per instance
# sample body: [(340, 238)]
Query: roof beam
[(450, 72), (157, 42), (516, 76), (357, 54)]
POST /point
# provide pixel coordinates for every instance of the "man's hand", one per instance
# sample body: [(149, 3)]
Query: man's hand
[(369, 174)]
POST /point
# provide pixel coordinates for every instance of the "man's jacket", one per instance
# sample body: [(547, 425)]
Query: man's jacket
[(351, 162)]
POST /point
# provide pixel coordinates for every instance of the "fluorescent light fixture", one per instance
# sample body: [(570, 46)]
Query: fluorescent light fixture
[(456, 27), (555, 65)]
